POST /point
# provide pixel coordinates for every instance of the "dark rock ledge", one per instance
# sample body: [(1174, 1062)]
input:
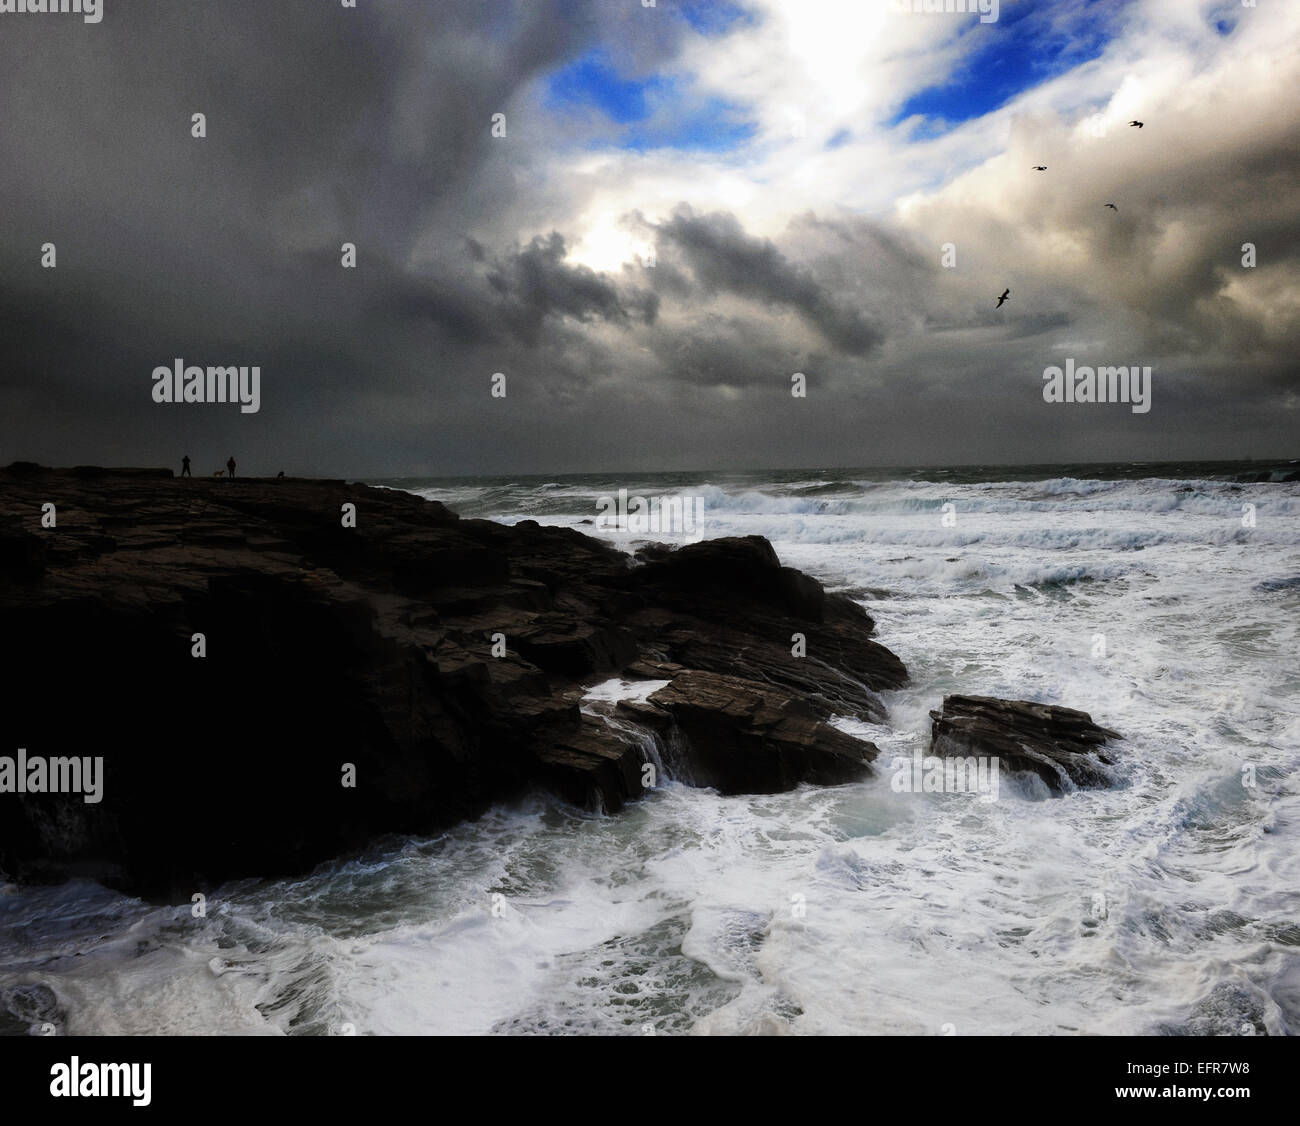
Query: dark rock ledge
[(1061, 746), (372, 646)]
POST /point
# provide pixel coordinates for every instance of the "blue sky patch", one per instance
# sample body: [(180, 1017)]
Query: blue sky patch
[(1004, 59), (712, 17), (657, 111), (709, 125), (591, 80)]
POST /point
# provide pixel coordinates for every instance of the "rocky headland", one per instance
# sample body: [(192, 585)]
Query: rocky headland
[(436, 664), (1062, 746), (261, 674)]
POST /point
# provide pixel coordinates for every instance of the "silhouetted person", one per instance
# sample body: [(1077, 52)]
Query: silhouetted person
[(230, 465), (185, 466)]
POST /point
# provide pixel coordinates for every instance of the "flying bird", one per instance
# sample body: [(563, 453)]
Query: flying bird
[(1005, 294), (1040, 167), (1112, 206), (1138, 124)]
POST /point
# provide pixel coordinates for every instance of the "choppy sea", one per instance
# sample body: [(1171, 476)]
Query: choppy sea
[(1163, 599)]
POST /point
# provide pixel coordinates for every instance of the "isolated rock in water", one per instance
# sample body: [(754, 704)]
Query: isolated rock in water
[(270, 682), (1062, 746)]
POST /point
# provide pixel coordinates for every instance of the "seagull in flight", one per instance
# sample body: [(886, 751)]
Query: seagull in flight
[(1040, 167), (1112, 206), (1137, 124), (1005, 294)]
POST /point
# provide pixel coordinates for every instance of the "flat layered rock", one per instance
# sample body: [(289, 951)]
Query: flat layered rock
[(745, 738), (1061, 746)]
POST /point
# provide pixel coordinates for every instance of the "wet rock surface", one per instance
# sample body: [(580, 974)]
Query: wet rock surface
[(1061, 746)]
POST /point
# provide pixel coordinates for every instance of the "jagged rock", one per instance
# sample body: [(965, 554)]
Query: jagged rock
[(373, 646), (745, 739), (29, 1010), (842, 664), (1060, 745), (592, 765), (653, 669)]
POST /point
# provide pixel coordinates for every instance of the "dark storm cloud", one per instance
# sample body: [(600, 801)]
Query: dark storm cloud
[(324, 125), (536, 283), (734, 352), (372, 126), (724, 258), (461, 316)]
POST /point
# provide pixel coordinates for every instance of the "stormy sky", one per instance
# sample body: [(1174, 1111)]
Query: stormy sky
[(691, 202)]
